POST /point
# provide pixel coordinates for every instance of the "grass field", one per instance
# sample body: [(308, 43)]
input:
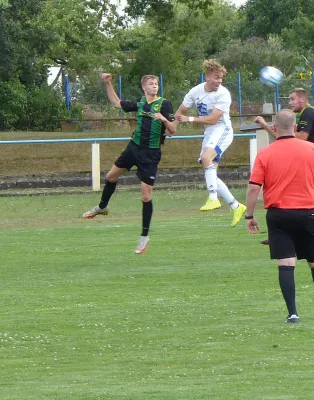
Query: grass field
[(199, 316)]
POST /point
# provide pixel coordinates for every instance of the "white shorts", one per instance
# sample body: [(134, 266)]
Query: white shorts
[(219, 140)]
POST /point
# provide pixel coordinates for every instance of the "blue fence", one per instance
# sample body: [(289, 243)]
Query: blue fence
[(243, 92), (96, 152), (110, 139)]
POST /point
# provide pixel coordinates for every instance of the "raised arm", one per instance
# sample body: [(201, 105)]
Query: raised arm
[(263, 124), (112, 95)]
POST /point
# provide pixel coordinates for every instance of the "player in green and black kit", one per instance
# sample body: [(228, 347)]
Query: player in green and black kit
[(298, 102), (154, 115)]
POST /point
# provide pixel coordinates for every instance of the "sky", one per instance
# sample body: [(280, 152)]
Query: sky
[(238, 3)]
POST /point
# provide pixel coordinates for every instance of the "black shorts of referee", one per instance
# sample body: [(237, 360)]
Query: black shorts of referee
[(291, 233), (145, 159)]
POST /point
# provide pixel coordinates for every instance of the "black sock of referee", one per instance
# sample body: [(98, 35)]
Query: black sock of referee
[(312, 270), (287, 286), (107, 192), (147, 213)]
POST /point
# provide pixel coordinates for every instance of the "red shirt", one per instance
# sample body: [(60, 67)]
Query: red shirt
[(286, 169)]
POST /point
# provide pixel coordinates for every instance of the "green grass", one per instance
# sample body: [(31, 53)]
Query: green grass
[(199, 316)]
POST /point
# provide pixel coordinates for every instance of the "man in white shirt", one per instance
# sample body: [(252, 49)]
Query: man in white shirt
[(213, 101)]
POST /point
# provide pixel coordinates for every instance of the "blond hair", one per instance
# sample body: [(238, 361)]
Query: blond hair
[(213, 65), (146, 77), (300, 92)]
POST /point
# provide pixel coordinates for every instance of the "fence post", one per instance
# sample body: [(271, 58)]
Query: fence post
[(67, 92), (277, 99), (253, 152), (239, 95), (95, 167), (120, 93), (312, 87), (161, 85), (120, 87)]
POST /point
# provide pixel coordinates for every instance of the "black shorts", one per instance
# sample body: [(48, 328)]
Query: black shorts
[(146, 160), (291, 233)]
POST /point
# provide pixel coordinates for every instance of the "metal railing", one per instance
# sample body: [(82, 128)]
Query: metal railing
[(96, 148)]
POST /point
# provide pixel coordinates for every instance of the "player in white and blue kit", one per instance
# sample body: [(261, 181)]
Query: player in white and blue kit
[(213, 101)]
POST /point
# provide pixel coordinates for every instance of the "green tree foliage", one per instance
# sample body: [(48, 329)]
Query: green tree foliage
[(133, 38), (20, 41), (176, 50), (35, 34), (44, 109), (13, 103), (172, 38), (203, 37), (163, 10), (265, 17), (166, 61), (79, 32), (299, 34), (254, 53)]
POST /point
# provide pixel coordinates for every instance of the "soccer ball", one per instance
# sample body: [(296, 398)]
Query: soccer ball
[(271, 76)]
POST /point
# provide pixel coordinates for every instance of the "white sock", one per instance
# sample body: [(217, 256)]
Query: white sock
[(211, 181), (226, 195)]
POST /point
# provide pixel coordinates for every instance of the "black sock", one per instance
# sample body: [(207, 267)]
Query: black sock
[(107, 192), (146, 216), (287, 286), (312, 270)]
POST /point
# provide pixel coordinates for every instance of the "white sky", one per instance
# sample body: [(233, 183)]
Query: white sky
[(238, 3)]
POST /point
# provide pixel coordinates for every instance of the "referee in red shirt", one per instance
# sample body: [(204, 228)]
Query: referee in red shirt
[(285, 169)]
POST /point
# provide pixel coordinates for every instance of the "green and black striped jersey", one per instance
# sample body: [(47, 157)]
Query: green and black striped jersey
[(305, 122), (149, 132)]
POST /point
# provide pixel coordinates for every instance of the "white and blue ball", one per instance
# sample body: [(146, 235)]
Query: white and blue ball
[(271, 76)]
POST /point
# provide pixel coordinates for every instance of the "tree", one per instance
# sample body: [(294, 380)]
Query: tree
[(299, 34), (206, 35), (79, 34), (254, 53), (264, 17), (163, 10), (37, 33), (186, 40), (20, 41), (146, 60)]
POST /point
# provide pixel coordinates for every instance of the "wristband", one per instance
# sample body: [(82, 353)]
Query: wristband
[(248, 216), (191, 119)]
